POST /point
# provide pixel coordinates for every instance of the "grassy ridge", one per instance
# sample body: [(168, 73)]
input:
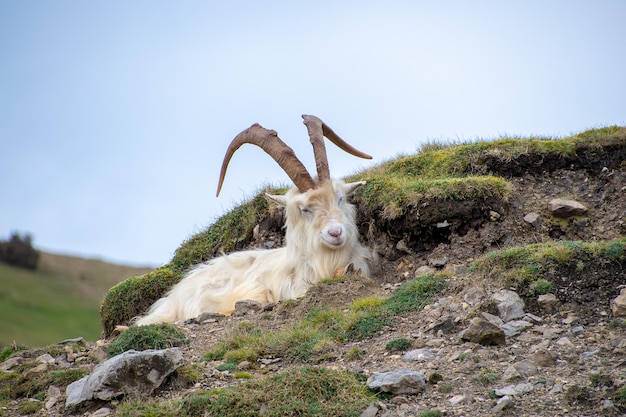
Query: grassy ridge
[(59, 300)]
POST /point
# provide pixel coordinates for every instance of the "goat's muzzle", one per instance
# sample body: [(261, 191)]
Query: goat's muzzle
[(334, 234)]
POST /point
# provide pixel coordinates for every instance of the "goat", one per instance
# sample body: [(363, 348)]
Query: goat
[(321, 237)]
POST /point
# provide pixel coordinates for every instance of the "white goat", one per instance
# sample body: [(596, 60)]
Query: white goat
[(321, 238)]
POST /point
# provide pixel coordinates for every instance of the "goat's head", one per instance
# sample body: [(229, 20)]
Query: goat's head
[(319, 204)]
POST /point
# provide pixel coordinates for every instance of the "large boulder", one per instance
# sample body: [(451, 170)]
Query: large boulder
[(130, 373)]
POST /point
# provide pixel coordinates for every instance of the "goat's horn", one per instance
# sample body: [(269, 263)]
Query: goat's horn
[(317, 130), (269, 141)]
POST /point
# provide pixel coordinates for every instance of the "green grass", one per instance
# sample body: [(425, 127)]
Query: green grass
[(154, 336), (524, 265), (306, 391), (39, 308), (313, 339)]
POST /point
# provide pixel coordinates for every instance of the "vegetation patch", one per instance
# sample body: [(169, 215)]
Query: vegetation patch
[(314, 338), (133, 297), (154, 336), (307, 391)]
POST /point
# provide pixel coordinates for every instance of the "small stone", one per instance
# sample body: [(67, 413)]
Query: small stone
[(548, 303), (618, 305), (402, 246), (526, 368), (566, 208), (504, 402), (11, 363), (565, 342), (402, 381), (509, 303), (543, 358), (45, 358), (443, 224), (515, 327), (532, 219), (102, 412), (474, 295), (425, 270), (483, 332), (438, 262), (518, 389), (370, 411), (420, 355), (247, 307), (459, 399)]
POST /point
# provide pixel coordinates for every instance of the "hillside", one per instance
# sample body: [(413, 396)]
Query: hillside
[(458, 228), (59, 300)]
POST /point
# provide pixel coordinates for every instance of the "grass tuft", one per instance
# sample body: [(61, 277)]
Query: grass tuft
[(153, 336)]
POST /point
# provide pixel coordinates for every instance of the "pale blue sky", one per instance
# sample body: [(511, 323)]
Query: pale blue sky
[(115, 115)]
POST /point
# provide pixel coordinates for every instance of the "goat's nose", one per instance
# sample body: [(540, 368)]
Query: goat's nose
[(335, 231)]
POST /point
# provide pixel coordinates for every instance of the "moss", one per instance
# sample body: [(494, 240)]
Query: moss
[(133, 297), (525, 265), (394, 193)]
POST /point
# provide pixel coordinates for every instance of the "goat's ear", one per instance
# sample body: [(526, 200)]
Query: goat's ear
[(281, 200), (351, 187)]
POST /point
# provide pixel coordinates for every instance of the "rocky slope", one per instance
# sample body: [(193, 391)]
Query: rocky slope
[(487, 343)]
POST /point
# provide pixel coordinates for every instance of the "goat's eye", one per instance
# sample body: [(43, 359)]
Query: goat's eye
[(340, 201), (306, 210)]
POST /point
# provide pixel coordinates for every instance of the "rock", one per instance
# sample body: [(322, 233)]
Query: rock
[(402, 246), (548, 303), (207, 317), (45, 358), (618, 305), (425, 270), (418, 355), (566, 208), (401, 381), (543, 358), (504, 402), (11, 363), (515, 327), (130, 373), (438, 262), (492, 318), (483, 332), (78, 340), (460, 399), (474, 295), (246, 307), (102, 412), (532, 219), (525, 368), (565, 342), (445, 326), (509, 304), (370, 411), (518, 389), (52, 396)]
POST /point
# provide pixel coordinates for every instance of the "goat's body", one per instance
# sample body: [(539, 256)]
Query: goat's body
[(271, 275)]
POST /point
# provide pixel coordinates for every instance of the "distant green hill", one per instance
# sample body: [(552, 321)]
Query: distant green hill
[(59, 300)]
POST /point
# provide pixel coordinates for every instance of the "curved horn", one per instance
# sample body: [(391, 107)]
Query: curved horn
[(269, 141), (317, 130)]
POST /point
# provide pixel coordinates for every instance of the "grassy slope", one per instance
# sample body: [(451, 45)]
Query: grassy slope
[(59, 300)]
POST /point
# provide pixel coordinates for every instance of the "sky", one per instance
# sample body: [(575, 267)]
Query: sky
[(115, 115)]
